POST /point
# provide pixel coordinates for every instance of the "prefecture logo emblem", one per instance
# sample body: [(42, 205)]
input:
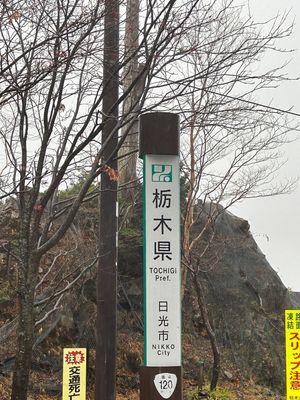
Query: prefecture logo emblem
[(161, 173)]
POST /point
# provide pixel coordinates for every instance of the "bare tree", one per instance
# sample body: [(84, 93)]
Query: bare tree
[(195, 58), (231, 145), (52, 92)]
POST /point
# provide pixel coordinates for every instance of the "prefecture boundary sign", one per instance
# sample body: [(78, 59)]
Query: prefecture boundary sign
[(162, 261), (161, 378)]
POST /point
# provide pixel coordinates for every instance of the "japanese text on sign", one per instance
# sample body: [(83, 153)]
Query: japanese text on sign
[(162, 261), (74, 374), (292, 341)]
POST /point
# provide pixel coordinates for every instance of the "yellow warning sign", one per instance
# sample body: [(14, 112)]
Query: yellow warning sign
[(292, 346), (74, 374)]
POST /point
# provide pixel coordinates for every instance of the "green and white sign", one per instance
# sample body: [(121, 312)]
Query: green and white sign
[(162, 261), (161, 173)]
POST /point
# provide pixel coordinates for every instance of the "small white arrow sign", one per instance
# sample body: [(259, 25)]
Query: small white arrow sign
[(165, 384)]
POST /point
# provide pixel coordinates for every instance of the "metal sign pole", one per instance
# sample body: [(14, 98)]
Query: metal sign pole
[(161, 376)]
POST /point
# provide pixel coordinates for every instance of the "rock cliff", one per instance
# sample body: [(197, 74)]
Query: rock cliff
[(246, 301), (245, 298)]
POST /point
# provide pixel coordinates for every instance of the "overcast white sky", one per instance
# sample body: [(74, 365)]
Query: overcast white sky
[(275, 222)]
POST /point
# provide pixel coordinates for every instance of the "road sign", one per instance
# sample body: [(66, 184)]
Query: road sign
[(162, 261), (74, 374), (292, 346), (159, 383), (165, 384), (161, 377)]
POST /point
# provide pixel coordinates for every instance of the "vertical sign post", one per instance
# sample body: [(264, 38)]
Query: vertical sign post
[(292, 347), (74, 374), (161, 377)]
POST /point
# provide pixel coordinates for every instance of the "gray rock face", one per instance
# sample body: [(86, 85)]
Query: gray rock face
[(246, 301), (245, 297), (295, 299)]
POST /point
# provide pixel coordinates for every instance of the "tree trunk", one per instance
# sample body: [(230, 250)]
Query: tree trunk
[(185, 250), (25, 343), (26, 323), (210, 332)]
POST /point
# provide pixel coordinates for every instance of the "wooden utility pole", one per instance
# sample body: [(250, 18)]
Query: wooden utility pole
[(105, 387), (132, 71)]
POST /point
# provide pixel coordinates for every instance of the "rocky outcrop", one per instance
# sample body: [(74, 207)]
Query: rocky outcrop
[(246, 301), (245, 296), (295, 300)]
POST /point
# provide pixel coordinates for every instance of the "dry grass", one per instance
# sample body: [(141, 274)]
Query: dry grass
[(237, 391), (129, 359)]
